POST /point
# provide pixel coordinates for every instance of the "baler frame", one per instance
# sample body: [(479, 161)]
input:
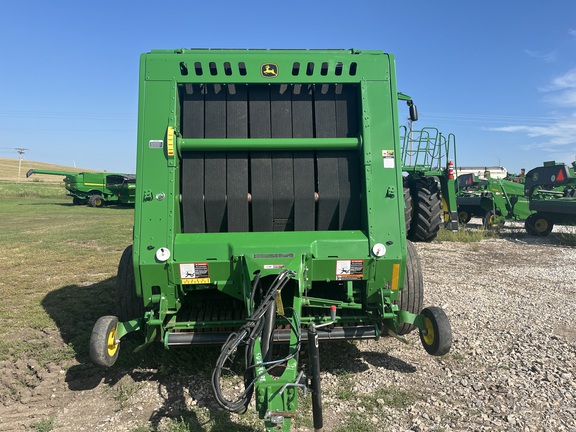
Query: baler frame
[(272, 169)]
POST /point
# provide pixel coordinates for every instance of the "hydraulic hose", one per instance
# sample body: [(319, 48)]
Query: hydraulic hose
[(248, 335)]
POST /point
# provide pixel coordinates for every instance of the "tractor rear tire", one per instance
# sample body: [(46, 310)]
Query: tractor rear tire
[(407, 208), (427, 210), (538, 225), (129, 304), (437, 339), (411, 297), (104, 347), (96, 201)]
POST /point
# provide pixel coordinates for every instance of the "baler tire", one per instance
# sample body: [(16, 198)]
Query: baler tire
[(427, 213), (438, 338), (411, 297), (130, 306), (96, 200), (407, 208), (538, 225), (104, 347)]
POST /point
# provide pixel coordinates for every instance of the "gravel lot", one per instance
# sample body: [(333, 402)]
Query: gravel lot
[(512, 365)]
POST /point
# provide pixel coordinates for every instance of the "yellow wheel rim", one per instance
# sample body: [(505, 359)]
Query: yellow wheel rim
[(446, 210), (112, 345), (462, 216), (429, 336), (541, 225)]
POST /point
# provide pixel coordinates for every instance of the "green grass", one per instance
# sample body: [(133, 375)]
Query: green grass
[(58, 263), (32, 190), (45, 425), (465, 235)]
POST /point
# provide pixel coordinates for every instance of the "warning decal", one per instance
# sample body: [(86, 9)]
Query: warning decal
[(194, 273), (349, 269), (388, 158)]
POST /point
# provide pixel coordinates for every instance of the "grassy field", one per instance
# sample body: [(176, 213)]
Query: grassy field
[(57, 264), (10, 168)]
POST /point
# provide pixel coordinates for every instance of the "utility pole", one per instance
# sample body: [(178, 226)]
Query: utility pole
[(20, 157)]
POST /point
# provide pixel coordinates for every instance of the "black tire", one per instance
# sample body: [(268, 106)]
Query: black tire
[(489, 220), (407, 207), (437, 339), (78, 201), (538, 225), (104, 347), (130, 306), (427, 213), (96, 200), (411, 297), (464, 215)]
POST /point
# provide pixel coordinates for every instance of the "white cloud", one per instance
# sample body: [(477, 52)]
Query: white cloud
[(572, 32), (546, 57), (565, 81)]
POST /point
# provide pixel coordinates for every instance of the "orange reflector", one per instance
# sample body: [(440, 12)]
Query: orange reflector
[(560, 176), (395, 276)]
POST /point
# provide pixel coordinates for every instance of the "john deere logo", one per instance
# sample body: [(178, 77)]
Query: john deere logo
[(269, 70)]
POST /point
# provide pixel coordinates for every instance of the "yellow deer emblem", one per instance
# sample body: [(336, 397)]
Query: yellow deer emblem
[(269, 70)]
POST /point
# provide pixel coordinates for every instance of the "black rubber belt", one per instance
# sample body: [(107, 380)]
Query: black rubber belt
[(215, 112), (237, 111), (302, 113), (259, 109), (193, 193), (349, 188), (215, 191), (261, 186), (283, 191), (328, 191), (304, 188), (325, 111)]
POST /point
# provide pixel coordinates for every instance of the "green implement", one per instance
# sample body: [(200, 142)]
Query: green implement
[(552, 192), (269, 216), (95, 188), (494, 200)]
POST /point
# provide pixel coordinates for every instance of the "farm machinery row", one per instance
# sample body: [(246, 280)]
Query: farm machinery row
[(95, 188), (542, 197), (269, 217)]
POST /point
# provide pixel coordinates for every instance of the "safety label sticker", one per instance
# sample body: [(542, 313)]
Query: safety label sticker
[(273, 266), (388, 158), (194, 273), (349, 269)]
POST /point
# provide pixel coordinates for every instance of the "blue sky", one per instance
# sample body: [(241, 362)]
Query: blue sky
[(500, 75)]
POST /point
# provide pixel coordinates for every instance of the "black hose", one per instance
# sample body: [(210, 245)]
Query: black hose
[(247, 334)]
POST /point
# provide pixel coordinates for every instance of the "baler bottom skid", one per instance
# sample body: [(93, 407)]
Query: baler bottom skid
[(268, 330)]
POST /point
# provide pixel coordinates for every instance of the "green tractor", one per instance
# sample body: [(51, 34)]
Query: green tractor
[(95, 188), (428, 161), (269, 216), (551, 189)]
